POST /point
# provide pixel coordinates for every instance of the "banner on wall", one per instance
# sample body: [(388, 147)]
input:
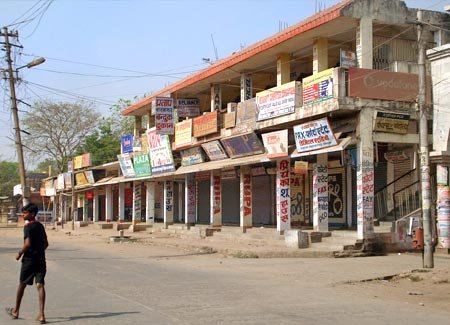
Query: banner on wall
[(314, 135), (278, 101), (161, 159), (318, 87)]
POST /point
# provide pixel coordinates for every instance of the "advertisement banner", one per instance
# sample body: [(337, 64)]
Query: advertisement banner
[(164, 119), (161, 159), (205, 124), (276, 143), (126, 143), (192, 156), (243, 145), (214, 150), (141, 165), (183, 134), (277, 101), (126, 165), (392, 123), (318, 87), (188, 107), (314, 135)]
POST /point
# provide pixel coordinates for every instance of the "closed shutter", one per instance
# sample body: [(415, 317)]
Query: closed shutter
[(400, 169)]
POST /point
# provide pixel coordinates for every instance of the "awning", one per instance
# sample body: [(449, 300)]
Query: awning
[(109, 181), (343, 143), (225, 163)]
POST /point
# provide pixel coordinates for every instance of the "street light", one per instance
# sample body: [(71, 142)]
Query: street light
[(12, 87)]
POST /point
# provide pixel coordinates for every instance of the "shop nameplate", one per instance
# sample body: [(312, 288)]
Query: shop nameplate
[(314, 135), (205, 124), (392, 123)]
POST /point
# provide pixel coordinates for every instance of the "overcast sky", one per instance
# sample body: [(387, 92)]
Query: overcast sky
[(105, 50)]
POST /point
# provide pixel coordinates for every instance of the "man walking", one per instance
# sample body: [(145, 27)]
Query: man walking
[(33, 261)]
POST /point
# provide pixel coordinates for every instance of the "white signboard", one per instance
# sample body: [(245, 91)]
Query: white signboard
[(283, 197), (126, 165), (314, 135), (164, 120), (277, 101), (161, 158), (276, 143), (60, 182), (188, 107)]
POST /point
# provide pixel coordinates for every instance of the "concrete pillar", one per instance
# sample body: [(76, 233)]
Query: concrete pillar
[(150, 204), (95, 210), (108, 204), (137, 200), (364, 43), (365, 174), (320, 55), (320, 193), (168, 203), (137, 126), (246, 200), (216, 199), (121, 202), (216, 98), (85, 209), (283, 197), (180, 201), (246, 87), (349, 195), (66, 208), (190, 200), (283, 68)]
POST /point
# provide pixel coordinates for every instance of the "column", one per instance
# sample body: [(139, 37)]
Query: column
[(121, 202), (190, 207), (246, 87), (109, 204), (95, 206), (150, 204), (85, 209), (349, 195), (365, 175), (246, 217), (320, 55), (168, 203), (137, 198), (320, 193), (283, 198), (180, 201), (364, 43), (216, 199), (216, 98), (283, 68)]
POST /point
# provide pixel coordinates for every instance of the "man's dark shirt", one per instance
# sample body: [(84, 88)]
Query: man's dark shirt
[(38, 238)]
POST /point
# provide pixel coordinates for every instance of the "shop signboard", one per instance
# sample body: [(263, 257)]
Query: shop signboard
[(229, 173), (347, 59), (395, 156), (192, 156), (243, 145), (318, 87), (60, 182), (205, 124), (246, 113), (80, 179), (301, 167), (68, 180), (164, 119), (277, 101), (380, 84), (276, 143), (183, 134), (89, 176), (314, 135), (392, 123), (188, 107), (335, 196), (126, 165), (86, 159), (70, 166), (258, 171), (229, 120), (126, 143), (161, 159), (141, 165), (78, 162), (214, 150)]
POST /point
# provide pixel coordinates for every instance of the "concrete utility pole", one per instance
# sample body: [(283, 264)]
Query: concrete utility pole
[(428, 260), (18, 140)]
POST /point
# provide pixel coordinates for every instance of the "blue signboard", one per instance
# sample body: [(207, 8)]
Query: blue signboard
[(127, 143)]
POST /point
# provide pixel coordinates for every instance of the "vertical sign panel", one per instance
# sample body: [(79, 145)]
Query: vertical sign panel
[(283, 197), (168, 202), (137, 201), (216, 199), (190, 199), (320, 197), (246, 197)]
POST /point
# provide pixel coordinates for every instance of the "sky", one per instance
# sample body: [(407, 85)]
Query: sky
[(101, 51)]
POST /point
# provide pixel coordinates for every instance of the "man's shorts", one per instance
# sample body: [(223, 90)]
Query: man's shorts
[(33, 269)]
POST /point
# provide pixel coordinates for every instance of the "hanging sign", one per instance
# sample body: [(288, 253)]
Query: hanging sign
[(276, 143), (318, 87), (141, 165), (60, 182), (214, 150), (161, 159), (188, 107), (277, 101), (314, 135)]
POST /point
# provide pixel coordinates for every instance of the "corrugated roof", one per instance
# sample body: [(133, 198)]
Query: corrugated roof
[(297, 29)]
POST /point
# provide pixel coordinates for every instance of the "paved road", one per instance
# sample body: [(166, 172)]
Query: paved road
[(90, 284)]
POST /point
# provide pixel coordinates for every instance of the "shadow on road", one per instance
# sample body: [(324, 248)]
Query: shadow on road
[(90, 315)]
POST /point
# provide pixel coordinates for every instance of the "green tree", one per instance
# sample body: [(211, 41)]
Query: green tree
[(9, 176), (57, 129)]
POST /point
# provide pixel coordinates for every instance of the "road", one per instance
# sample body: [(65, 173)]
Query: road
[(98, 283)]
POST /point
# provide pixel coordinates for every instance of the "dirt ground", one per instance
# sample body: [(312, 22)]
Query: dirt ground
[(423, 287)]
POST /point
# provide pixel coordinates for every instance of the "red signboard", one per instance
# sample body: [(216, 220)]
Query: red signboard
[(205, 124)]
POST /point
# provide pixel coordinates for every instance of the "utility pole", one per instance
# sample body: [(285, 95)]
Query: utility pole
[(18, 140), (427, 258)]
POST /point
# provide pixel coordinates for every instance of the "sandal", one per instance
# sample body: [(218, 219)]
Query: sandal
[(9, 311), (41, 321)]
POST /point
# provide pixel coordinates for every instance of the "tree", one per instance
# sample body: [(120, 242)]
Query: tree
[(44, 165), (9, 177), (57, 129)]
